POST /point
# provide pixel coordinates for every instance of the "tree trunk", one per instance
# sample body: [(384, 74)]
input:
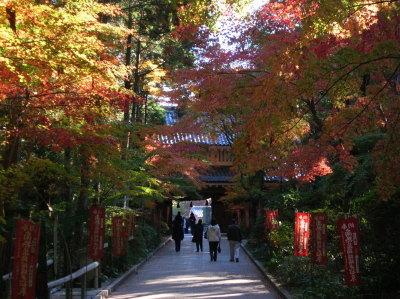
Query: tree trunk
[(128, 58), (5, 261), (67, 267), (83, 198), (145, 109), (135, 115), (41, 280), (127, 83), (11, 154), (83, 202)]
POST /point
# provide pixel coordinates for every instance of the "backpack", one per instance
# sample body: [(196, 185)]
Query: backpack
[(212, 233)]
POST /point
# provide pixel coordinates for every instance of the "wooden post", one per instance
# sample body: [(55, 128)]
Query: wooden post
[(96, 277), (9, 284), (238, 216), (83, 286), (55, 243), (247, 217)]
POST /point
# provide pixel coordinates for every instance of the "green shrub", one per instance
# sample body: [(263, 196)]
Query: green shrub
[(145, 239), (164, 229), (281, 239), (307, 280)]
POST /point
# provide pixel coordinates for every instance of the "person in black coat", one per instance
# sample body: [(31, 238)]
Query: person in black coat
[(192, 222), (234, 237), (198, 235), (177, 231)]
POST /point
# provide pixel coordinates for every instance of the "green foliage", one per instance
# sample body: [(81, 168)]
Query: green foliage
[(365, 143), (183, 187), (164, 229), (11, 180), (311, 281), (380, 237), (341, 193), (281, 239), (145, 240), (33, 184), (286, 201), (155, 113), (257, 234)]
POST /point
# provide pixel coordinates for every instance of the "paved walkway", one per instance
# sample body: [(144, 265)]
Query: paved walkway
[(190, 274)]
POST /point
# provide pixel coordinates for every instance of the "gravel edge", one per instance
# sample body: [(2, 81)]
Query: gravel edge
[(277, 287), (107, 290)]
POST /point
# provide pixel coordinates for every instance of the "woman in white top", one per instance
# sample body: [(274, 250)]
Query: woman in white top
[(214, 237)]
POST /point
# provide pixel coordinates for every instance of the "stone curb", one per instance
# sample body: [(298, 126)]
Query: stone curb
[(284, 294), (105, 292)]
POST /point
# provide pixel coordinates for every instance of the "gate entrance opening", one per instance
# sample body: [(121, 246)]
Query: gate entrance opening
[(199, 208)]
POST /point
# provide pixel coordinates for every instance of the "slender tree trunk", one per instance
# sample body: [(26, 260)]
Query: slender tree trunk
[(316, 124), (83, 198), (128, 58), (11, 154), (41, 281), (82, 206), (5, 262), (145, 109), (136, 83), (67, 268), (128, 83)]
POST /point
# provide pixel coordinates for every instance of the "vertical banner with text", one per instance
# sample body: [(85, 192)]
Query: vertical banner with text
[(301, 233), (96, 232), (318, 238), (130, 225), (349, 239), (118, 236), (26, 251), (271, 219)]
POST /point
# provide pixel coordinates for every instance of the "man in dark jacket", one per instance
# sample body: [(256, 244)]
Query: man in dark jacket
[(234, 237), (177, 231), (198, 235), (192, 222)]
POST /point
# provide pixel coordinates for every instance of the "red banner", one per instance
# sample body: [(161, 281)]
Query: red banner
[(349, 238), (26, 251), (118, 236), (301, 233), (130, 224), (318, 237), (96, 232), (271, 219)]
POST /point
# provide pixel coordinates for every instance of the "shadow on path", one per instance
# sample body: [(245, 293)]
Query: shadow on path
[(191, 274)]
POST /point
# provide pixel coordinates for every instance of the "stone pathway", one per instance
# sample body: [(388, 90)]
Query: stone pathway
[(191, 274)]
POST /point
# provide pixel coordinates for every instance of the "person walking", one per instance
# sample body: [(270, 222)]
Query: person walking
[(186, 224), (177, 231), (192, 222), (198, 235), (214, 237), (234, 237)]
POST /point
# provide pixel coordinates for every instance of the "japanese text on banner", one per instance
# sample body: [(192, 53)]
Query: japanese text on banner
[(318, 237), (96, 232), (26, 251), (271, 219), (349, 237), (301, 233)]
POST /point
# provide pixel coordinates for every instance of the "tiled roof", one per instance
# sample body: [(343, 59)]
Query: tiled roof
[(274, 179), (214, 174), (194, 138), (220, 174), (171, 118)]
